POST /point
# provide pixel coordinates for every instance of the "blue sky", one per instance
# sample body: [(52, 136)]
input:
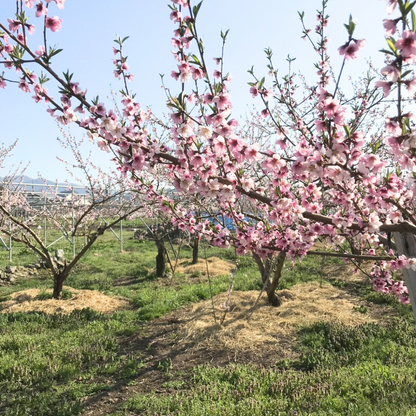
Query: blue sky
[(88, 31)]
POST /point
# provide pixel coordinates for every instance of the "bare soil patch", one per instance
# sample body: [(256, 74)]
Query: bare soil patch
[(28, 301)]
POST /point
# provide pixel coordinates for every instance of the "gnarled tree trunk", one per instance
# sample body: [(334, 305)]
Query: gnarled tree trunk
[(58, 284), (271, 272), (160, 258)]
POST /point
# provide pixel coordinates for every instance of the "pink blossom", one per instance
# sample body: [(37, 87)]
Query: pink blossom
[(267, 94), (205, 132), (176, 16), (390, 26), (222, 101), (8, 48), (217, 74), (59, 3), (103, 145), (41, 9), (254, 91), (3, 83), (174, 75), (391, 71), (51, 111), (177, 118), (320, 126), (53, 23), (351, 49), (374, 222), (23, 85), (411, 86), (29, 3), (393, 127), (407, 44), (252, 152), (21, 38), (391, 6), (386, 85), (197, 73), (14, 25), (98, 109), (181, 2), (330, 106), (404, 297), (265, 112)]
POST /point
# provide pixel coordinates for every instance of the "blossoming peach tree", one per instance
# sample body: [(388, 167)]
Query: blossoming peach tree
[(329, 166), (107, 200)]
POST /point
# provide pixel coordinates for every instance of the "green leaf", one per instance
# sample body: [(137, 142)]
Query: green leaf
[(196, 9), (347, 130), (386, 51), (413, 21), (406, 73), (409, 6), (261, 83), (195, 60), (392, 44), (224, 34), (43, 79)]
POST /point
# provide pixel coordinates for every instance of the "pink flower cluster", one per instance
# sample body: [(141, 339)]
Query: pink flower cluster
[(384, 282)]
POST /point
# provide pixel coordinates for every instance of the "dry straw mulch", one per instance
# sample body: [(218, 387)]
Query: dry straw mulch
[(216, 267), (270, 328), (26, 301)]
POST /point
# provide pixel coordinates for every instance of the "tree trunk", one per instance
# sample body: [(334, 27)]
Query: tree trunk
[(58, 283), (274, 300), (195, 249), (271, 272), (160, 259)]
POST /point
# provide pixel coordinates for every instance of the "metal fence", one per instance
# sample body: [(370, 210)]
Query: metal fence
[(38, 197)]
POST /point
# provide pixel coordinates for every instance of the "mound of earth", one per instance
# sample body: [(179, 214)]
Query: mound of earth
[(30, 300)]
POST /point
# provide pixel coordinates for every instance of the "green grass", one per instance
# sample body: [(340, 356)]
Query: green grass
[(49, 362), (367, 370)]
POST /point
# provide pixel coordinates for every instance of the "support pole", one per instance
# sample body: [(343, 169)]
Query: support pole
[(44, 232), (121, 236), (10, 241), (73, 226), (406, 244)]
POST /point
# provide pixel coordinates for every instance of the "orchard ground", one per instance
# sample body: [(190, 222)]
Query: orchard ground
[(122, 342)]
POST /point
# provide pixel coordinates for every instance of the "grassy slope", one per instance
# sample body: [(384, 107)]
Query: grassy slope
[(50, 364)]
